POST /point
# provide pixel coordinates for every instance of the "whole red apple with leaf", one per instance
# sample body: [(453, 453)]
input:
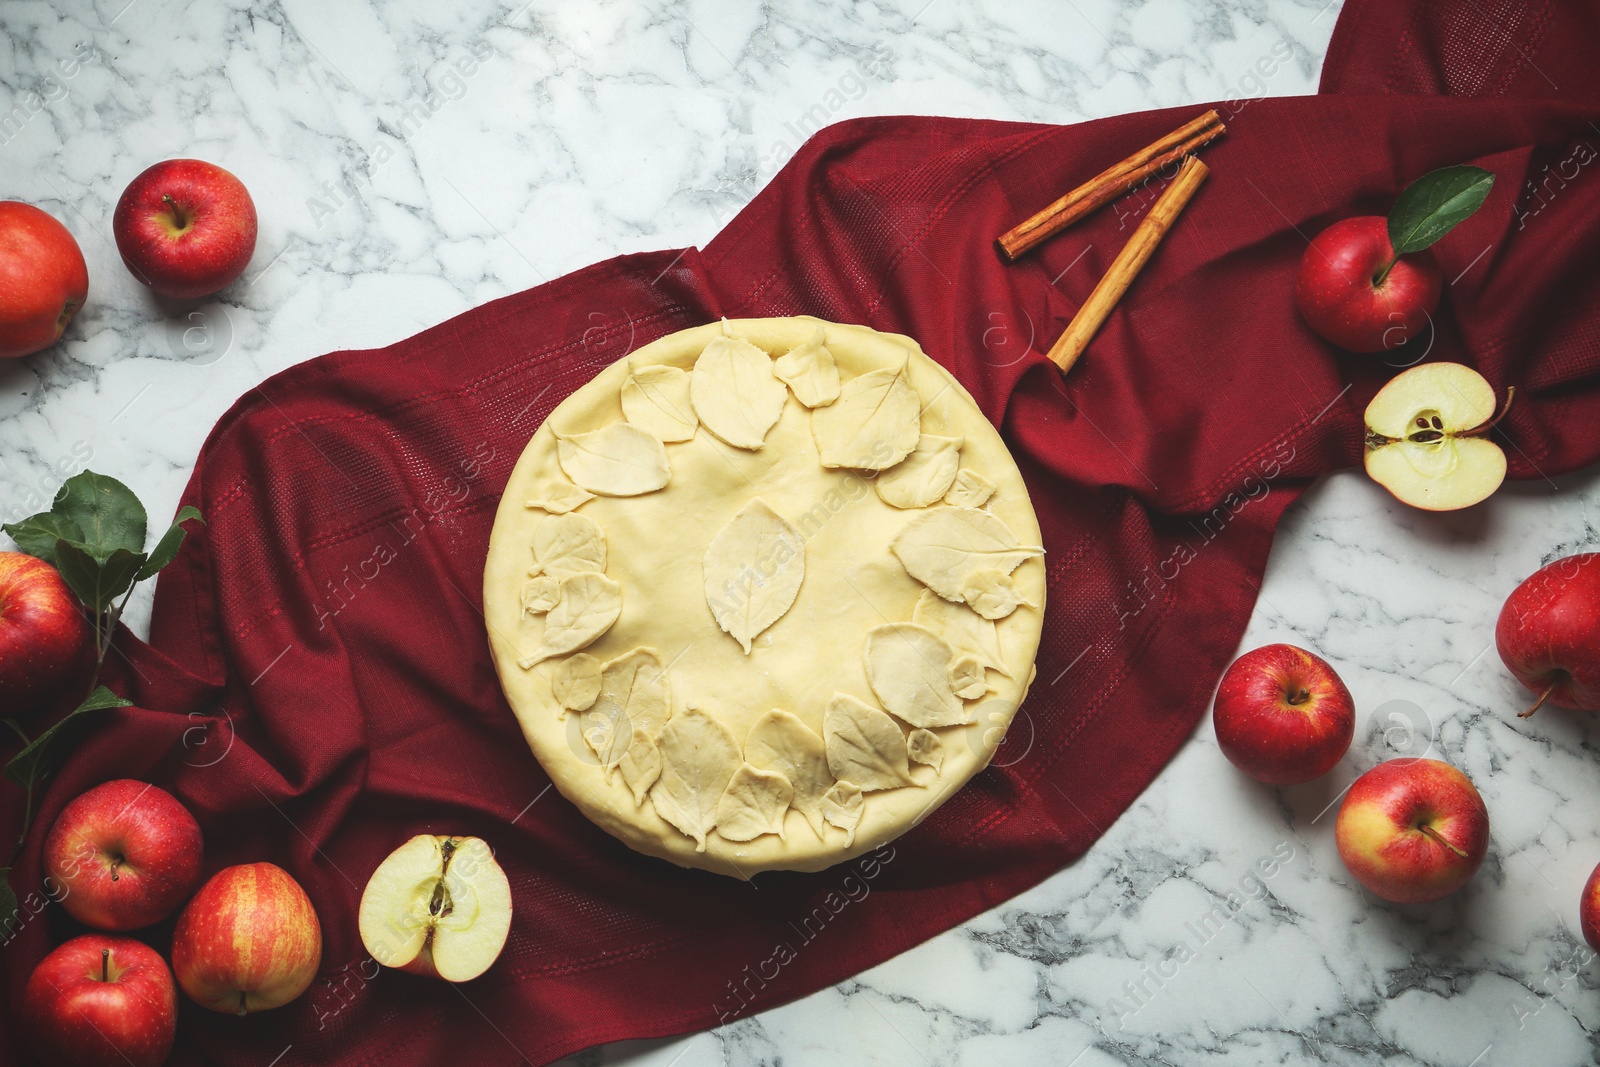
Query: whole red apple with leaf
[(1369, 283), (94, 536)]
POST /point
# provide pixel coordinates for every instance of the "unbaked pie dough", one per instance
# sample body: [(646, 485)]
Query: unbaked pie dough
[(765, 593)]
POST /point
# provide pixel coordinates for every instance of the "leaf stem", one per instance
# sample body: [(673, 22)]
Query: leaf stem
[(1378, 279), (105, 628)]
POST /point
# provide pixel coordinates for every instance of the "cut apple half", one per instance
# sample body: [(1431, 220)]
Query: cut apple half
[(437, 906), (1427, 437)]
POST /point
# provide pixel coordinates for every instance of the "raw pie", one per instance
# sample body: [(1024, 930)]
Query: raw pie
[(764, 593)]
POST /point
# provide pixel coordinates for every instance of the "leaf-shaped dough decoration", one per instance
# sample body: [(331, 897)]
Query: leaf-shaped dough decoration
[(640, 767), (564, 545), (656, 399), (842, 806), (966, 677), (589, 604), (558, 498), (925, 747), (810, 372), (616, 460), (735, 392), (873, 425), (991, 593), (575, 681), (864, 745), (753, 570), (779, 741), (540, 594), (908, 666), (923, 477), (754, 804), (940, 548), (698, 759), (969, 490), (633, 702), (962, 629)]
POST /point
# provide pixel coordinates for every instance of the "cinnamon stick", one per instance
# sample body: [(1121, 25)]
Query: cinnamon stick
[(1110, 184), (1125, 268)]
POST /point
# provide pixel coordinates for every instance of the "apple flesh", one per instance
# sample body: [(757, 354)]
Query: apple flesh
[(100, 1001), (186, 228), (45, 641), (1283, 715), (43, 279), (126, 854), (1412, 830), (1425, 437), (1548, 633), (437, 906), (248, 941), (1354, 292)]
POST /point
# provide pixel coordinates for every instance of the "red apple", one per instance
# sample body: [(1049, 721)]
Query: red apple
[(98, 1001), (1589, 910), (43, 279), (185, 228), (45, 641), (1283, 716), (1348, 297), (126, 854), (1549, 633), (248, 941), (1412, 830)]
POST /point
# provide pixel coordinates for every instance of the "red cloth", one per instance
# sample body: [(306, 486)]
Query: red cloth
[(317, 687)]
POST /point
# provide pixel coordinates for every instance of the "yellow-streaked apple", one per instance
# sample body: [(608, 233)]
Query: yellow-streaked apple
[(438, 906), (248, 941), (1426, 437), (1412, 830), (1282, 715)]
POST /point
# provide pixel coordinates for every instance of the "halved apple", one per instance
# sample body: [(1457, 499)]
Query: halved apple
[(437, 906), (1426, 440)]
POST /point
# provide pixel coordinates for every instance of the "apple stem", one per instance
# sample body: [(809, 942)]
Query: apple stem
[(1300, 696), (179, 216), (1537, 704), (105, 965), (242, 1010), (1483, 428), (1431, 832), (1378, 279)]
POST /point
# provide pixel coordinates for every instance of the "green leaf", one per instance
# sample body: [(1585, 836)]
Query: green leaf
[(37, 534), (98, 583), (166, 549), (1435, 204), (107, 512), (8, 900), (44, 753)]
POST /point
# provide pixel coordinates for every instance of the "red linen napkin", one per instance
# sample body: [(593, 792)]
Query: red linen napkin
[(318, 688)]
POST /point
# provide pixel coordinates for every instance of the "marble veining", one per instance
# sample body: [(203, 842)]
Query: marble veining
[(411, 160)]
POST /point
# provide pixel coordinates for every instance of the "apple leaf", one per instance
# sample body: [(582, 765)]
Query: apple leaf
[(37, 534), (107, 512), (38, 760), (166, 549), (1435, 204), (98, 582), (8, 900)]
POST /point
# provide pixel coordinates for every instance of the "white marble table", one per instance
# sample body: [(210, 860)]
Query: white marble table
[(411, 160)]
